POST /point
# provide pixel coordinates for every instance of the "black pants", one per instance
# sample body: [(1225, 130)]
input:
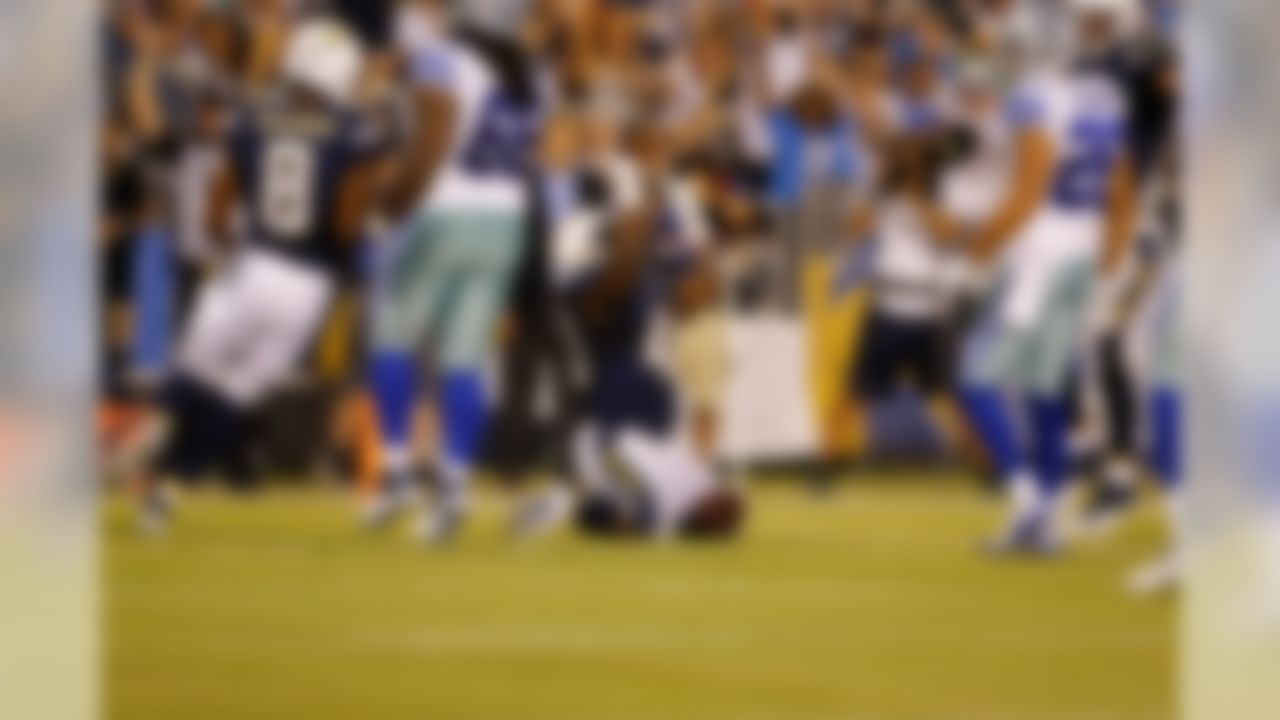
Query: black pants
[(545, 360), (893, 349), (208, 434), (1119, 395)]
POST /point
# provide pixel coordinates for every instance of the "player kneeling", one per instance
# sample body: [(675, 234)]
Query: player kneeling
[(663, 490), (637, 475)]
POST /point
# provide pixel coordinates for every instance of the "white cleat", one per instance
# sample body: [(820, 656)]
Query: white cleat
[(439, 525), (386, 508), (1026, 534), (541, 515)]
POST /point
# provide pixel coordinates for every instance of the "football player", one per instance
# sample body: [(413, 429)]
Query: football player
[(916, 282), (465, 189), (1066, 221), (638, 476), (1147, 67), (298, 172), (1156, 303)]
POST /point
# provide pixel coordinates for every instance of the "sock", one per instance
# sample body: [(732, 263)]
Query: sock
[(397, 460), (1166, 456), (1166, 437), (1050, 428), (1086, 450), (991, 419), (589, 466), (463, 409), (451, 492), (393, 379), (1024, 496), (1121, 473)]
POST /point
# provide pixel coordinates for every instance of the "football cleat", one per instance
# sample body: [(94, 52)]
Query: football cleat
[(1106, 508), (1029, 537), (542, 514), (439, 526), (395, 497)]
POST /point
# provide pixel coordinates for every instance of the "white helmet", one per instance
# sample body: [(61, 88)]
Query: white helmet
[(325, 57)]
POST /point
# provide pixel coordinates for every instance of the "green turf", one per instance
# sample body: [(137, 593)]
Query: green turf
[(871, 606)]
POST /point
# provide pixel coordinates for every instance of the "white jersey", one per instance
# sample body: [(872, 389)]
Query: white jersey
[(486, 166), (1086, 118)]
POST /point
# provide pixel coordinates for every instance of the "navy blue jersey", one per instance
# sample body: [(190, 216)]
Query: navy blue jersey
[(625, 391), (291, 163)]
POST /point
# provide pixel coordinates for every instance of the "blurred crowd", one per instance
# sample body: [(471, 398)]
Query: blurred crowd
[(776, 133)]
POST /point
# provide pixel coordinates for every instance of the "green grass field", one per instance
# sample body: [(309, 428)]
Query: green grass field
[(872, 606)]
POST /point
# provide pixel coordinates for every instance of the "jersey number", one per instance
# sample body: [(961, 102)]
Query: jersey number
[(502, 141), (288, 175), (1083, 177)]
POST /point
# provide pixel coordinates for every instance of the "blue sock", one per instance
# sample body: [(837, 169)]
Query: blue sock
[(463, 408), (393, 379), (987, 410), (1050, 428), (1166, 436)]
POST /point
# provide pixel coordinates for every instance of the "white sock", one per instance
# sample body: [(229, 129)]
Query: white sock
[(397, 459), (1024, 495), (588, 460), (1121, 473), (454, 480), (1084, 442)]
